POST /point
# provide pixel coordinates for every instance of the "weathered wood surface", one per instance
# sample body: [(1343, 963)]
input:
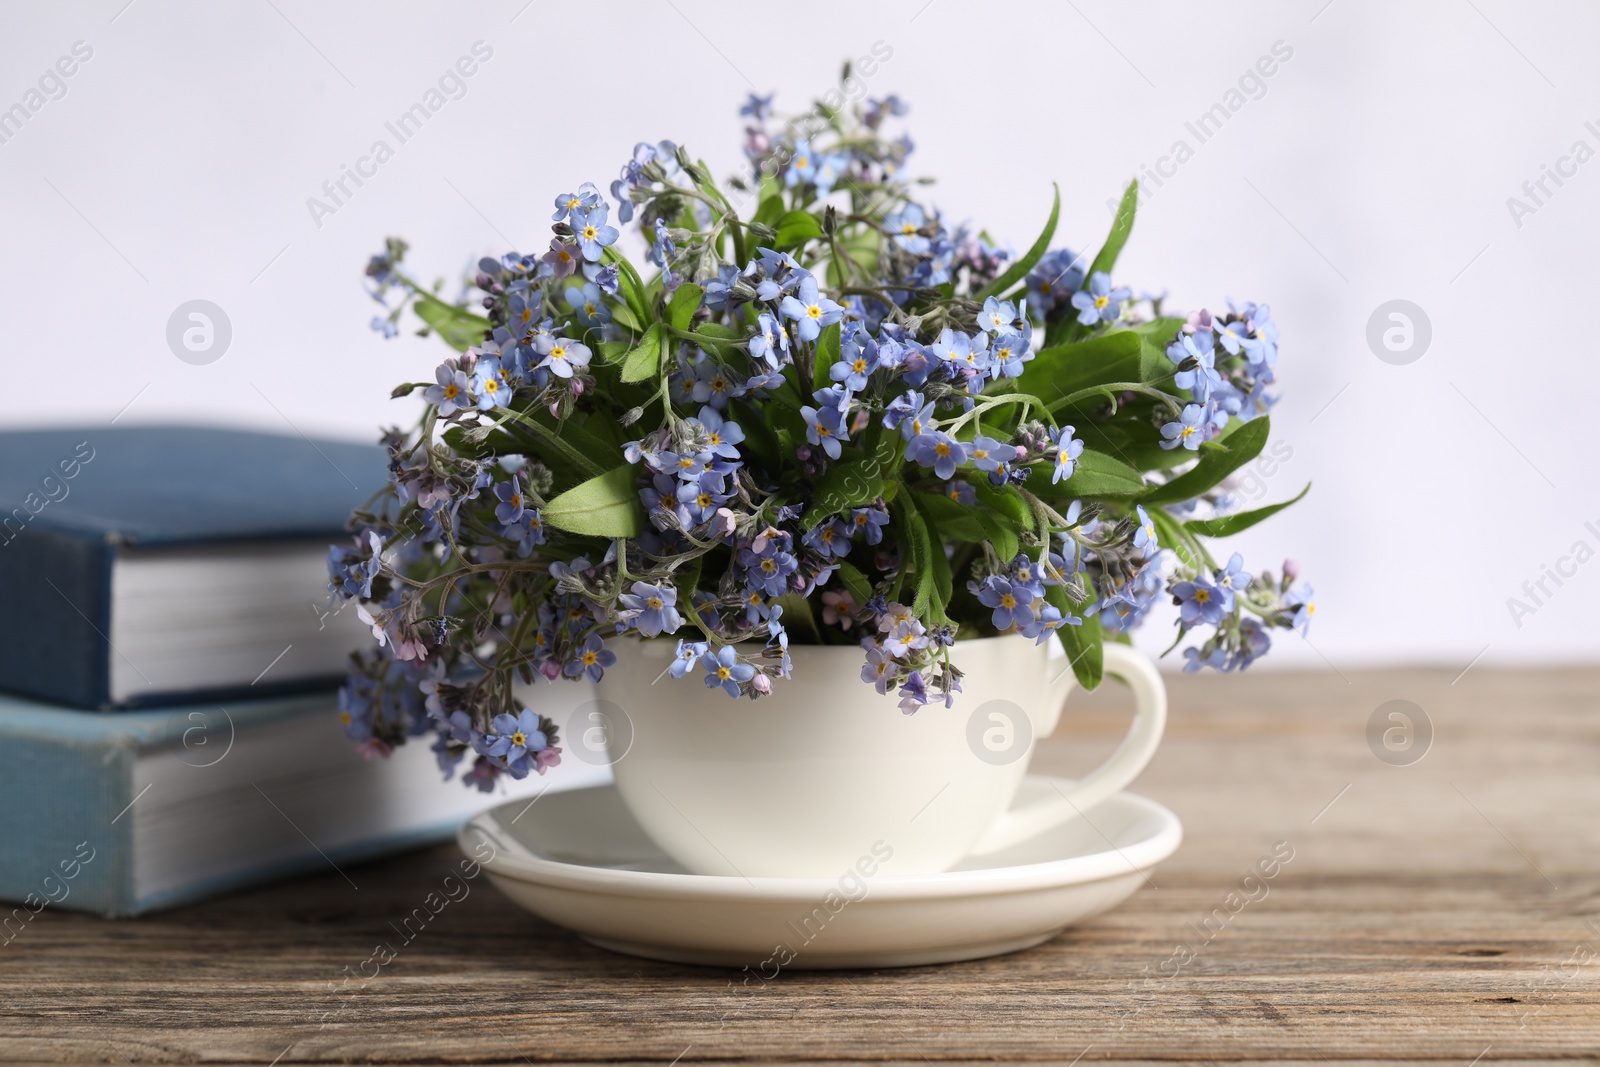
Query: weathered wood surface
[(1442, 911)]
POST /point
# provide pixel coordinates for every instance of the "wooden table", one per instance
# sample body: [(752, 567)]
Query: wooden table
[(1447, 910)]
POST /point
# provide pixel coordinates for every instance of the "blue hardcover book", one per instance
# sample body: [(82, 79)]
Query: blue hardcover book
[(145, 566), (121, 814)]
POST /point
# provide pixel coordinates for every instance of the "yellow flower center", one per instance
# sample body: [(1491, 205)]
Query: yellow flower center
[(1201, 596), (654, 603), (590, 232), (815, 311), (1101, 301), (519, 738), (589, 659), (558, 352), (451, 391), (942, 449)]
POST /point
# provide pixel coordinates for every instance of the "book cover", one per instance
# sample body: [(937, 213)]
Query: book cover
[(122, 814), (74, 503)]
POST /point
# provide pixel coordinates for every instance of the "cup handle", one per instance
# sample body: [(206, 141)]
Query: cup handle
[(1121, 768)]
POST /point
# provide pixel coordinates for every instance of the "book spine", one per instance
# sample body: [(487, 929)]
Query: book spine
[(58, 598), (68, 838)]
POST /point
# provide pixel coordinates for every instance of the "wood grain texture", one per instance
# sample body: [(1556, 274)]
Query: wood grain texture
[(1436, 912)]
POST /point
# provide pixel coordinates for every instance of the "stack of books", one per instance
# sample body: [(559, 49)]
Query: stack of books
[(169, 662)]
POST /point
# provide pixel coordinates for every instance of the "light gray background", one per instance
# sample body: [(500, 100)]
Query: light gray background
[(1376, 165)]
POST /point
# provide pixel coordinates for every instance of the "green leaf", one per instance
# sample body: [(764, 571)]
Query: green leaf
[(1061, 370), (795, 229), (827, 354), (938, 563), (1019, 270), (1218, 459), (1228, 525), (855, 582), (459, 328), (1121, 227), (1006, 501), (853, 483), (603, 506), (798, 619), (1083, 644), (770, 209), (1099, 475), (1000, 534), (921, 561), (629, 284), (644, 361), (951, 521), (622, 315), (686, 578), (684, 303)]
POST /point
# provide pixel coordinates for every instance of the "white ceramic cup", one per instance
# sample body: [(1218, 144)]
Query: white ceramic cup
[(805, 782)]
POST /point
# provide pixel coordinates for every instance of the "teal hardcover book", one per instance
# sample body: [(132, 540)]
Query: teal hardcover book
[(121, 814), (156, 565)]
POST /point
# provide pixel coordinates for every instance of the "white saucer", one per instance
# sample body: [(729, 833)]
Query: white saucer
[(578, 859)]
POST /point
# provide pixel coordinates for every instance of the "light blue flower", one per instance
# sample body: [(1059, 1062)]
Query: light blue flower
[(825, 427), (905, 226), (1201, 603), (699, 500), (869, 522), (651, 609), (714, 384), (513, 737), (810, 309), (562, 356), (987, 454), (1189, 430), (1196, 356), (1067, 449), (856, 364), (771, 340), (1009, 352), (1234, 577), (725, 672), (725, 434), (1011, 601), (913, 693), (879, 670), (586, 301), (590, 658), (828, 539), (757, 107), (1302, 600), (1100, 302), (577, 203), (938, 450), (490, 385), (512, 502), (1145, 536), (688, 653), (592, 232), (997, 316), (453, 392)]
